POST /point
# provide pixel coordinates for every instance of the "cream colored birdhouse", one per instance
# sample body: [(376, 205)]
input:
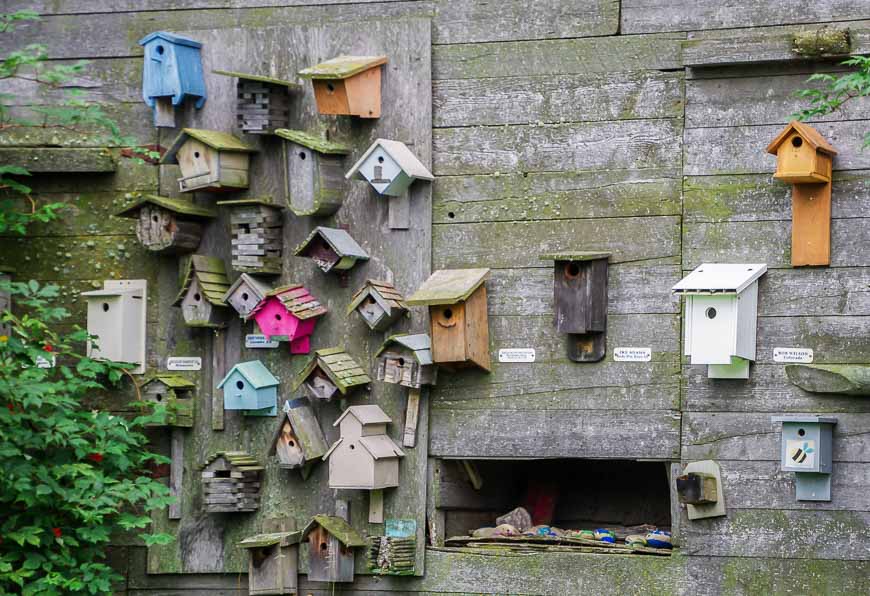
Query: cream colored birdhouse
[(210, 160), (116, 316)]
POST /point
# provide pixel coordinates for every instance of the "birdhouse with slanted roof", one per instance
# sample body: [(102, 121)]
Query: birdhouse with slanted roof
[(289, 313), (390, 167), (347, 85), (299, 442), (379, 304), (314, 171), (262, 103), (203, 286), (210, 160), (251, 387), (167, 226), (330, 371), (331, 249), (172, 72)]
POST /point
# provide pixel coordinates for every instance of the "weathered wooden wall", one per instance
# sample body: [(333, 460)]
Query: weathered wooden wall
[(636, 127)]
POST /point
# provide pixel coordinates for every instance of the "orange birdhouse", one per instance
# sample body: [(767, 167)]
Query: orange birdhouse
[(347, 85)]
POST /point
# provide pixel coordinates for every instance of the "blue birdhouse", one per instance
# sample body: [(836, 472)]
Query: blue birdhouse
[(172, 71), (250, 386)]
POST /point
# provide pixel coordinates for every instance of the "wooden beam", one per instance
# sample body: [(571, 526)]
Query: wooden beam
[(412, 413), (176, 472), (61, 160), (843, 379)]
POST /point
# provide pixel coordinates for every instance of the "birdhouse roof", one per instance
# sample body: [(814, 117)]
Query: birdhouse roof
[(255, 372), (804, 419), (313, 142), (296, 299), (807, 133), (342, 67), (259, 78), (265, 201), (238, 459), (406, 160), (448, 286), (381, 447), (720, 278), (260, 288), (211, 274), (385, 291), (574, 256), (222, 141), (339, 240), (175, 381), (338, 365), (302, 419), (171, 38), (179, 206), (420, 345), (336, 527), (367, 414), (279, 538)]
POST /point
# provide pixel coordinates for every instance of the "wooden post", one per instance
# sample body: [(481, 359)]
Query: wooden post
[(811, 224), (412, 413), (164, 113), (218, 364), (399, 214), (474, 477), (376, 507), (342, 509), (176, 472)]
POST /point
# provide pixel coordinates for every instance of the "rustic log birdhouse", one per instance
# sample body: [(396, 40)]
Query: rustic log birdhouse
[(203, 286), (172, 72), (299, 442), (289, 313), (251, 387), (314, 171), (231, 482), (721, 312), (5, 297), (175, 393), (394, 553), (458, 318), (273, 562), (390, 167), (262, 103), (256, 226), (347, 85), (804, 158), (379, 304), (245, 294), (407, 360), (330, 371), (807, 450), (580, 300), (209, 160), (331, 541), (167, 226), (700, 490), (116, 316), (331, 249)]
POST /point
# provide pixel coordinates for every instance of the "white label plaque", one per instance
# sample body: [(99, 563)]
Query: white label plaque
[(632, 354), (516, 355), (184, 363), (796, 355), (259, 341)]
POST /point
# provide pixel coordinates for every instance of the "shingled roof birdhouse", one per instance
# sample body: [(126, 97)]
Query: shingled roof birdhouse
[(209, 160), (390, 167), (5, 297), (289, 313), (299, 442), (256, 226), (231, 482), (379, 304), (314, 171), (175, 393), (251, 387), (458, 317), (246, 293), (347, 85), (262, 103), (167, 226), (331, 541), (331, 249), (172, 72), (117, 317), (407, 360), (273, 562), (203, 286), (330, 371)]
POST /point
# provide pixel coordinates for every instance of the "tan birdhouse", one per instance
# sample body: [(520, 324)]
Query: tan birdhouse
[(365, 457), (168, 226), (347, 85), (273, 562), (209, 160), (299, 442), (802, 154)]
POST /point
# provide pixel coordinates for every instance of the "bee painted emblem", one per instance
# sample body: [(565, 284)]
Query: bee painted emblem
[(801, 453)]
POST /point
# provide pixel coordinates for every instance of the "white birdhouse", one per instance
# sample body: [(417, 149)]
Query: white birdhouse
[(116, 315), (390, 167)]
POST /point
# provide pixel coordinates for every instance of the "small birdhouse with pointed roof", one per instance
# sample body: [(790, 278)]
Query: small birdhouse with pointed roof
[(807, 450), (457, 316), (330, 371), (273, 562), (256, 226), (314, 171), (331, 249), (262, 103), (5, 297), (289, 313), (407, 360), (347, 85), (173, 392), (117, 317), (802, 154), (209, 160), (167, 226), (251, 387), (245, 294), (202, 291), (231, 482), (171, 73), (299, 442), (365, 457), (331, 541), (379, 304), (390, 167)]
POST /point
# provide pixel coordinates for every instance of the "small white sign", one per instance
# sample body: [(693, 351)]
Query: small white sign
[(516, 355), (796, 355), (45, 362), (184, 363), (259, 341), (632, 354)]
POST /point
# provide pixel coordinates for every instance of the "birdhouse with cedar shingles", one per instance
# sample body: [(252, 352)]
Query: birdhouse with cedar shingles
[(175, 393), (314, 173), (245, 294), (262, 103), (273, 562), (407, 360), (289, 313), (251, 387), (330, 371), (299, 442), (331, 541), (171, 73), (364, 457), (379, 304), (209, 160), (390, 167), (807, 450), (347, 85), (117, 317), (167, 226), (202, 291), (331, 249), (231, 482), (256, 227), (457, 316), (5, 297)]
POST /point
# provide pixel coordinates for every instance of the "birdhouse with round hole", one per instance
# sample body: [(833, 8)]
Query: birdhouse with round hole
[(299, 442), (330, 372), (256, 227), (5, 297), (209, 160), (379, 304), (262, 103), (331, 249), (807, 450), (168, 226), (331, 541), (173, 392), (289, 313), (273, 562), (116, 316), (314, 173), (802, 154), (171, 73), (390, 168), (251, 387), (347, 85), (203, 286), (407, 360), (245, 294)]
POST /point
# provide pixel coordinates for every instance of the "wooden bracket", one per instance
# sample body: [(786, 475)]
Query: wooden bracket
[(376, 507), (176, 472), (811, 224), (164, 113), (412, 414), (399, 214), (218, 365)]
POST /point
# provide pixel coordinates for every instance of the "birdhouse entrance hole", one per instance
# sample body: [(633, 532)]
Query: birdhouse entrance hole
[(105, 307), (222, 474), (797, 141)]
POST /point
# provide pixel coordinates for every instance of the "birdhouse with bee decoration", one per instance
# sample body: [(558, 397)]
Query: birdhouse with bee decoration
[(807, 450)]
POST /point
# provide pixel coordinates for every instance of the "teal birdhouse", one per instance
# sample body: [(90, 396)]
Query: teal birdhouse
[(172, 71), (807, 450), (250, 386)]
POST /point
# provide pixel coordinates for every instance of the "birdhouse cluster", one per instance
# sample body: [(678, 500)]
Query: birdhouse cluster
[(168, 226), (262, 103), (330, 372), (116, 322), (173, 392), (256, 227), (231, 482), (203, 285)]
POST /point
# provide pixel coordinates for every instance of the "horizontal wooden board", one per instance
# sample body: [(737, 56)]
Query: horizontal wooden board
[(47, 160), (815, 291), (103, 80), (834, 340)]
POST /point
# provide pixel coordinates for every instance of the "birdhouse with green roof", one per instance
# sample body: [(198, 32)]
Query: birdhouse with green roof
[(331, 249), (210, 160), (256, 227), (314, 173), (5, 297), (168, 226), (347, 85), (331, 541), (379, 304), (262, 103), (330, 371), (273, 562), (299, 442), (231, 482), (201, 298), (407, 360), (175, 393), (250, 386), (246, 293)]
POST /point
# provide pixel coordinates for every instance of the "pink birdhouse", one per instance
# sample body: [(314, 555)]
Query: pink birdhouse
[(288, 314)]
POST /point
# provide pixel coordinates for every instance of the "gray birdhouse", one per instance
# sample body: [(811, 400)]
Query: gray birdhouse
[(231, 482), (379, 304), (700, 490), (807, 450), (407, 360), (5, 297), (209, 160), (175, 393), (203, 287), (167, 226), (245, 294), (330, 371), (390, 167), (299, 442), (256, 226), (331, 541), (365, 457), (262, 103), (273, 562), (331, 249), (314, 171), (117, 317)]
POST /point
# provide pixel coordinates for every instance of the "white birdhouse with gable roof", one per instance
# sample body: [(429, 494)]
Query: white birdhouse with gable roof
[(390, 167)]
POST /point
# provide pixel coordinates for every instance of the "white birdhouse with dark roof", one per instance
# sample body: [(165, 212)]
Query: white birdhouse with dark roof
[(390, 167)]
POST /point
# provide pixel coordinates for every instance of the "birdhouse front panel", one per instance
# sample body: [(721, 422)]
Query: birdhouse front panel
[(245, 294), (287, 447), (195, 307), (199, 163), (329, 560), (380, 169), (711, 328), (460, 332), (275, 322), (347, 85)]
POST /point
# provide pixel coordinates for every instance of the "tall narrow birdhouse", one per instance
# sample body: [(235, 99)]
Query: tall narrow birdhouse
[(580, 301), (721, 312), (331, 249), (379, 304), (175, 394), (262, 103), (457, 316), (171, 73), (231, 482), (209, 160), (407, 360), (203, 286), (116, 316), (331, 541), (390, 167), (289, 313), (256, 226), (273, 562), (804, 158), (347, 85), (699, 488), (251, 387), (314, 171), (5, 298), (299, 442), (394, 553), (245, 294), (807, 450), (364, 457), (330, 371), (167, 226)]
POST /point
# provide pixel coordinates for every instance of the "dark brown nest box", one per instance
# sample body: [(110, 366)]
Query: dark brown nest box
[(331, 249), (256, 226), (273, 562), (347, 85), (407, 360), (379, 304), (167, 226), (262, 103), (209, 160), (331, 541), (299, 442), (314, 171)]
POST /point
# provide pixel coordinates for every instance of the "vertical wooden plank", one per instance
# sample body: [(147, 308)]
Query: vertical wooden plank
[(399, 212), (376, 506), (176, 472), (218, 367), (811, 224), (412, 413), (673, 470)]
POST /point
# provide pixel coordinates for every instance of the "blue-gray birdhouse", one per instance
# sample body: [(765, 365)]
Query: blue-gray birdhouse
[(250, 386), (172, 71), (807, 443)]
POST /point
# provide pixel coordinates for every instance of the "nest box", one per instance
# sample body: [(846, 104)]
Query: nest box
[(209, 160), (458, 320), (330, 371), (175, 393), (273, 562), (390, 167), (289, 313), (172, 72), (5, 298), (167, 226), (251, 387), (394, 553), (256, 226), (331, 541), (804, 158), (201, 297), (580, 300), (245, 294), (331, 249), (262, 103), (231, 482), (379, 304), (347, 85), (721, 312), (116, 316), (314, 173), (700, 490), (807, 450), (407, 360), (299, 442)]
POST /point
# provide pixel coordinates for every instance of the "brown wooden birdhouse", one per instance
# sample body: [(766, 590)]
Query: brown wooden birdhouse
[(407, 360), (167, 226), (379, 304), (175, 393), (299, 442), (257, 228), (201, 297), (273, 562), (331, 249), (246, 293), (330, 371), (314, 171), (231, 482), (209, 160), (458, 317), (331, 541), (262, 103), (347, 85)]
